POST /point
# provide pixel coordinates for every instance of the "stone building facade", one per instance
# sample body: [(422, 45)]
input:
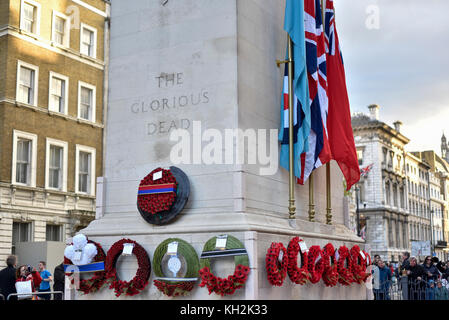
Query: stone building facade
[(404, 197), (439, 201), (418, 198), (53, 64), (383, 191)]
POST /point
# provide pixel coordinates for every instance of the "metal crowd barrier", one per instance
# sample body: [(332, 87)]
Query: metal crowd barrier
[(2, 297), (36, 294), (404, 290)]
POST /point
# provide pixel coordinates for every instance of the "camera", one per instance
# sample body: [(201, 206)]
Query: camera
[(29, 269)]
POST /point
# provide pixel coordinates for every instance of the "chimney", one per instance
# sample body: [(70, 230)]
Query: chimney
[(374, 111), (397, 126)]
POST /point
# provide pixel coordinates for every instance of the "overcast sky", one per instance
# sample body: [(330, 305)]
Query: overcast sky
[(403, 65)]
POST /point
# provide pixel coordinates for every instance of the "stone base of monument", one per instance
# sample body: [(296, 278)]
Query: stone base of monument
[(254, 231)]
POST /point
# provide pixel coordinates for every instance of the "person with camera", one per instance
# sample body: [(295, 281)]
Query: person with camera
[(26, 273)]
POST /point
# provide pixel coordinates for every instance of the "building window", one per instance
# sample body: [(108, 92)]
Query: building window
[(88, 41), (56, 165), (402, 197), (24, 158), (58, 93), (21, 232), (30, 16), (395, 195), (360, 156), (27, 76), (86, 101), (85, 170), (398, 235), (53, 232), (387, 193), (61, 29), (390, 233), (23, 161)]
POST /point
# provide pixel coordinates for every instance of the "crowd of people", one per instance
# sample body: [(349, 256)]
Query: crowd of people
[(428, 280), (40, 279)]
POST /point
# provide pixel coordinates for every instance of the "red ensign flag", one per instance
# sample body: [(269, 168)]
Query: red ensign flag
[(341, 138)]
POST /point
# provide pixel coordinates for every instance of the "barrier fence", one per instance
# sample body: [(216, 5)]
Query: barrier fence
[(36, 294), (403, 289)]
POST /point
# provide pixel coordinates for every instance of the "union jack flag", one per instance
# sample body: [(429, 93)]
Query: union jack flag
[(366, 170), (319, 151), (330, 28)]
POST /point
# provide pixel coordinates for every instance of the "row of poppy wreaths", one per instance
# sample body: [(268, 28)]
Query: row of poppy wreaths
[(108, 276), (225, 286), (332, 266)]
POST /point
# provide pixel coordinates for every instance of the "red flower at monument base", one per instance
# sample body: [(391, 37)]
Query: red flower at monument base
[(140, 280), (315, 264), (345, 275), (224, 286), (330, 273), (175, 289), (276, 271), (297, 275), (358, 265)]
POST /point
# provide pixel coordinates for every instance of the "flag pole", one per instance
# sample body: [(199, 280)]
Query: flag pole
[(291, 184), (328, 165), (328, 194), (311, 201)]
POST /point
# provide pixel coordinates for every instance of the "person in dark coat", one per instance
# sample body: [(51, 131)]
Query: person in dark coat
[(382, 280), (430, 269), (442, 267), (59, 280), (8, 278), (405, 264), (416, 283)]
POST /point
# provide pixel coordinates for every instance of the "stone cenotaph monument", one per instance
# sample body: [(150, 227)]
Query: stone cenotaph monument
[(207, 66)]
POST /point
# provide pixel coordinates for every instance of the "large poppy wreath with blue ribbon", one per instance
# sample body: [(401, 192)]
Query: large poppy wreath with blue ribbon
[(162, 195)]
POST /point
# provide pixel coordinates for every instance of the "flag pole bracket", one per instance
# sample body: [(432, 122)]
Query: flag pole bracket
[(279, 62)]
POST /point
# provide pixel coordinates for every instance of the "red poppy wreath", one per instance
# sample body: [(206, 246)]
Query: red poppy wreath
[(345, 275), (276, 271), (297, 275), (330, 272), (157, 194), (358, 265), (162, 195), (315, 264), (140, 280)]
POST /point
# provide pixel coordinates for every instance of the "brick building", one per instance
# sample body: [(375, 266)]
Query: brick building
[(53, 65)]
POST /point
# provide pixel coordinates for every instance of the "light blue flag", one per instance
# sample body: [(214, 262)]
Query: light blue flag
[(294, 26)]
